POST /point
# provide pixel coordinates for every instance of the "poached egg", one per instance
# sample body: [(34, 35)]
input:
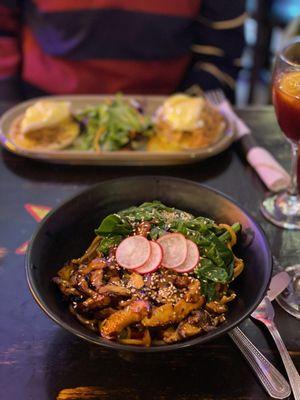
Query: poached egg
[(182, 112), (45, 114)]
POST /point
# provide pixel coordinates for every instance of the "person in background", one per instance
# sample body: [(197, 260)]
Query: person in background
[(105, 46)]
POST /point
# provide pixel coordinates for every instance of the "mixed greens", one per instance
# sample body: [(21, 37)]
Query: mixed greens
[(216, 264), (113, 125)]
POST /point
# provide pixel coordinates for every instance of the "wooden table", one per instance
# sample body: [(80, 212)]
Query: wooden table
[(40, 361)]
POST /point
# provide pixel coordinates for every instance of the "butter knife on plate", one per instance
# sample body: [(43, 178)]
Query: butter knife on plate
[(272, 380)]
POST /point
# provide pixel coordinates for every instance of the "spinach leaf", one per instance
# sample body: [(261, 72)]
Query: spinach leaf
[(217, 251), (146, 212), (136, 214), (108, 242), (208, 289), (209, 274), (113, 224), (200, 224), (205, 263), (165, 217), (212, 273), (157, 205), (156, 232)]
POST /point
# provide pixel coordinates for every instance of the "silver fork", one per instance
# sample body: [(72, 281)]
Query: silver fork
[(215, 96), (265, 314)]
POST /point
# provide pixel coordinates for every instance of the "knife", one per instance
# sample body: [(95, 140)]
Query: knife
[(278, 283), (272, 380)]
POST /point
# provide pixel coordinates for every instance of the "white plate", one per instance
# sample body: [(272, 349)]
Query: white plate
[(78, 102)]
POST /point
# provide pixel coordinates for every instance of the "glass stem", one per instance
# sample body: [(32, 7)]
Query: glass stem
[(293, 187)]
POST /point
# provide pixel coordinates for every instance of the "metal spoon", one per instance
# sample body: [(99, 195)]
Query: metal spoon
[(272, 380)]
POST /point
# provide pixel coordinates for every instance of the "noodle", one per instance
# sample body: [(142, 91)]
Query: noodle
[(231, 232), (88, 253), (238, 266)]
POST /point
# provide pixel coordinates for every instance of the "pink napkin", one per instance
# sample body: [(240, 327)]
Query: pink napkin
[(269, 170)]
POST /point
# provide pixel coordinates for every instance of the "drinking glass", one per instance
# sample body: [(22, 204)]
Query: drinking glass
[(283, 209)]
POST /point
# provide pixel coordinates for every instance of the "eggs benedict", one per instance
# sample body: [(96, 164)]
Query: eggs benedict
[(46, 125), (184, 122)]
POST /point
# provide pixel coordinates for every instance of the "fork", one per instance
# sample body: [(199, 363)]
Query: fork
[(261, 160), (217, 98), (265, 314)]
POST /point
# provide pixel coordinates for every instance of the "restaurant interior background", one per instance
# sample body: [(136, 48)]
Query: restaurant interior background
[(269, 25)]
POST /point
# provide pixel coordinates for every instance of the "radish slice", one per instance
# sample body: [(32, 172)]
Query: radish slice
[(133, 252), (153, 261), (174, 249), (192, 258)]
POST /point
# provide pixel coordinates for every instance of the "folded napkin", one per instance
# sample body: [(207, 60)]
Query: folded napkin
[(269, 170)]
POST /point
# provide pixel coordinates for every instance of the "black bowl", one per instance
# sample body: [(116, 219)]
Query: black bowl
[(68, 230)]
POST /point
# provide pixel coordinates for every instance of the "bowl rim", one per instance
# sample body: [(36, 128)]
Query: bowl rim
[(221, 330)]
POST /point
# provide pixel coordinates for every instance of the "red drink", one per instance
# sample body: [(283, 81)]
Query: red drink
[(283, 209), (298, 167), (286, 99)]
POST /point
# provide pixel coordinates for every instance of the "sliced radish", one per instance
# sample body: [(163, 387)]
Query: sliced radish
[(133, 252), (192, 258), (153, 261), (174, 249)]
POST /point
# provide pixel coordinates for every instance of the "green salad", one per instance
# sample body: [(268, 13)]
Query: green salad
[(113, 125)]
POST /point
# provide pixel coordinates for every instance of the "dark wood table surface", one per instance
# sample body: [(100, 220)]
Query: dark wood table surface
[(39, 360)]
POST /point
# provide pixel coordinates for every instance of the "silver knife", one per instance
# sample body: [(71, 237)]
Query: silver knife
[(272, 380), (278, 283)]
